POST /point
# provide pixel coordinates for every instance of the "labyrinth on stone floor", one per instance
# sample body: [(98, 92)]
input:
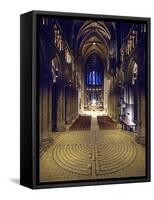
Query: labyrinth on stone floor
[(93, 154)]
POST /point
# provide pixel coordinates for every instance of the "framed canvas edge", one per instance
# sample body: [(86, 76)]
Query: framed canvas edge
[(35, 107), (89, 15)]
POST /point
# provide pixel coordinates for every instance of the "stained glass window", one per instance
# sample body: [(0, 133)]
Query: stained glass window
[(97, 78), (94, 78)]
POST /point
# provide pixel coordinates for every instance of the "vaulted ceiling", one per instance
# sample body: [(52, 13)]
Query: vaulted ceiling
[(94, 36)]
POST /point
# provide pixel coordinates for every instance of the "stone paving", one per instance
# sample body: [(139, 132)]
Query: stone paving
[(94, 154)]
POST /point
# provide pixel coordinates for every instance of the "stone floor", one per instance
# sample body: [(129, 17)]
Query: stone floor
[(94, 154)]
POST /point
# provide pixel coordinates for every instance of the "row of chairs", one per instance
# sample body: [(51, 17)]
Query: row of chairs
[(81, 123), (105, 122)]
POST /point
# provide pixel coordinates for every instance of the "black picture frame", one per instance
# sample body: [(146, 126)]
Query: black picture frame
[(29, 101)]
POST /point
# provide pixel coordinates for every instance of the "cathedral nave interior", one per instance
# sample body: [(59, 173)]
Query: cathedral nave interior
[(92, 99)]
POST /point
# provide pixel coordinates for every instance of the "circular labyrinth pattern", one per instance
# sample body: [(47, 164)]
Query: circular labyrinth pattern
[(101, 155), (113, 157)]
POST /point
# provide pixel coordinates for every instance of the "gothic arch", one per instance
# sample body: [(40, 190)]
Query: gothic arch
[(88, 36), (101, 56), (130, 71)]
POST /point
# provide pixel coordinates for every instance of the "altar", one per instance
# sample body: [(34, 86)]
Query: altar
[(95, 106)]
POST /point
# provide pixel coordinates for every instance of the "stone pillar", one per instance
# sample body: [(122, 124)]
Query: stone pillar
[(71, 102), (140, 138), (74, 97), (76, 103), (45, 84), (114, 104), (141, 109), (106, 92), (79, 101), (45, 109), (60, 123), (82, 88), (49, 108), (82, 99), (63, 106), (68, 105)]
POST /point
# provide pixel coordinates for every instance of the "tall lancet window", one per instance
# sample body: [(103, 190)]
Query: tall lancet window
[(94, 78)]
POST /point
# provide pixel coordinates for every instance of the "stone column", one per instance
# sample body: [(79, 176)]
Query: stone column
[(45, 111), (140, 138), (45, 108), (82, 86), (79, 101), (73, 103), (60, 124), (68, 105), (76, 103), (141, 109), (63, 106), (106, 92), (50, 107)]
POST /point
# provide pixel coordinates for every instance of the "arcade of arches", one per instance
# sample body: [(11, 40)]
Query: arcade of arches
[(92, 99)]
